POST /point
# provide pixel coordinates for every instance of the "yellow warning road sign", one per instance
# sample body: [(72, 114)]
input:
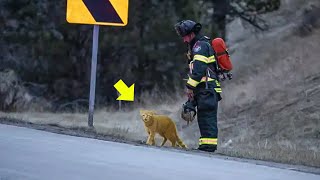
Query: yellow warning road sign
[(99, 12), (126, 93)]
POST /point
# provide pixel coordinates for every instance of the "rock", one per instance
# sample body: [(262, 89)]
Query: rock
[(15, 97), (8, 83)]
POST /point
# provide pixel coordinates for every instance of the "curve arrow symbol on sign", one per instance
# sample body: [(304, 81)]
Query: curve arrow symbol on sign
[(102, 11), (127, 93)]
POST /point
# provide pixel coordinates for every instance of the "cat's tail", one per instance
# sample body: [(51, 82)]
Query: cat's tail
[(179, 141)]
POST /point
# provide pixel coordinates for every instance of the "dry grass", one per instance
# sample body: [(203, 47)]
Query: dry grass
[(271, 108), (125, 124)]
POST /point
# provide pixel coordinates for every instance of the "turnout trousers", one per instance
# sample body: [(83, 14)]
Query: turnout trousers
[(207, 116)]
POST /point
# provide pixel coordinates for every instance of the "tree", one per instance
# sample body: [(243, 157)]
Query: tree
[(248, 10)]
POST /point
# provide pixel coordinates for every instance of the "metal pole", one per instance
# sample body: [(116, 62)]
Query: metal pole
[(119, 102), (93, 73)]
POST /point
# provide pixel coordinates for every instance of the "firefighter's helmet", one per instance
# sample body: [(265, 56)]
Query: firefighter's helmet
[(188, 112), (185, 27)]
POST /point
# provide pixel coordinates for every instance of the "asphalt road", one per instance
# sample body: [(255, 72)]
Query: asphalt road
[(27, 154)]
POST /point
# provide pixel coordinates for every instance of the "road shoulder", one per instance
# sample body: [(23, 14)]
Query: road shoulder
[(91, 133)]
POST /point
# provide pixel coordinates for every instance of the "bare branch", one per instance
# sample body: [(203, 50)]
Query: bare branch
[(248, 15)]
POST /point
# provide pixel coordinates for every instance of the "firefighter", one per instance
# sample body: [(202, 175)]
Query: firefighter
[(203, 86)]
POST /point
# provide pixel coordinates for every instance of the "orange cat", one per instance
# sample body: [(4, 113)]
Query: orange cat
[(163, 125)]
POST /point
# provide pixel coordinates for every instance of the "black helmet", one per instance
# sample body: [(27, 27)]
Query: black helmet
[(188, 112), (185, 27)]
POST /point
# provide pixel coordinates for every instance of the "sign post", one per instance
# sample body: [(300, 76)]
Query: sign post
[(96, 12), (93, 73)]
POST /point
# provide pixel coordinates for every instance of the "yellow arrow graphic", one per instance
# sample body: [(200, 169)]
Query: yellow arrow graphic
[(126, 93)]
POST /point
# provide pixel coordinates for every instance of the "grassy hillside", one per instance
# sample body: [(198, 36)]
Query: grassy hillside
[(271, 108)]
